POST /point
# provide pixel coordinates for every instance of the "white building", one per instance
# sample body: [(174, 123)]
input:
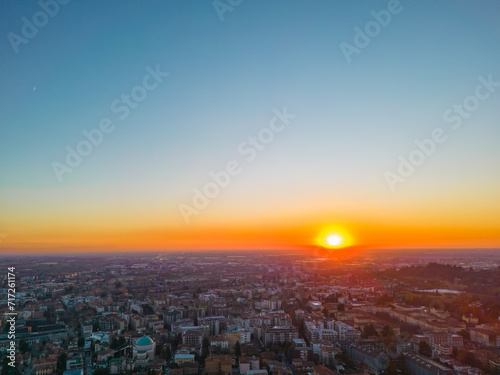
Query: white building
[(144, 349)]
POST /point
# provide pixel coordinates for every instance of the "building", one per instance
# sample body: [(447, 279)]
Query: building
[(418, 365), (278, 335), (218, 342), (485, 336), (315, 305), (346, 332), (327, 354), (171, 316), (176, 327), (117, 366), (182, 359), (232, 338), (328, 335), (470, 319), (49, 332), (374, 361), (216, 363), (322, 370), (257, 372), (73, 372), (87, 328), (300, 349), (136, 322), (192, 337), (213, 322), (441, 343), (448, 339), (144, 349), (245, 336), (203, 329), (43, 366), (248, 363)]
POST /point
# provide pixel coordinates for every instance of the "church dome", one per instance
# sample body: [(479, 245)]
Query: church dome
[(144, 341)]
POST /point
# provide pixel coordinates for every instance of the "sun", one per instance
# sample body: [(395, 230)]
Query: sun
[(334, 237), (334, 240)]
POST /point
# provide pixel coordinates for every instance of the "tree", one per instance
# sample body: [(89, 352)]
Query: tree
[(468, 358), (316, 359), (176, 341), (343, 358), (237, 349), (147, 309), (6, 368), (61, 363), (81, 342), (116, 343), (168, 353), (24, 346), (205, 346), (332, 298), (465, 334), (383, 299), (387, 331), (341, 307), (424, 349), (369, 330), (392, 369)]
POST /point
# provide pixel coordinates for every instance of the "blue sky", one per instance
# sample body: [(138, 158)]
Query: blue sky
[(226, 77)]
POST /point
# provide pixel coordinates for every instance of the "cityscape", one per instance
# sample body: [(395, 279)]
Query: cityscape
[(264, 313)]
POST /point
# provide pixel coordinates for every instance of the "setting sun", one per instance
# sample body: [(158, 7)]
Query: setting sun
[(334, 237), (334, 240)]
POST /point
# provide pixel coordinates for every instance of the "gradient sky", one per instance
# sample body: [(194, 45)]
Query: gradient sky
[(324, 172)]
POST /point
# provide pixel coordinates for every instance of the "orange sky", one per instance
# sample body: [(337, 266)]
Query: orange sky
[(266, 236), (113, 218)]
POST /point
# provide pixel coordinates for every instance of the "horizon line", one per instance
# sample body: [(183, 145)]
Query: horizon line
[(79, 252)]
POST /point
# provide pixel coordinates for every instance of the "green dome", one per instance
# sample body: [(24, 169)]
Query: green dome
[(144, 341)]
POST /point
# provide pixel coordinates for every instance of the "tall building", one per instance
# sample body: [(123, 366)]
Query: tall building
[(278, 335)]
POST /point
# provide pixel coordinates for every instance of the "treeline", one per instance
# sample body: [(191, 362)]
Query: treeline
[(486, 280)]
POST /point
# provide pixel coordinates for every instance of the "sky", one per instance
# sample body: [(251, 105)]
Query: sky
[(249, 124)]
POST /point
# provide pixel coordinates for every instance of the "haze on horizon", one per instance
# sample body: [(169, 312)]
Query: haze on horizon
[(209, 82)]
